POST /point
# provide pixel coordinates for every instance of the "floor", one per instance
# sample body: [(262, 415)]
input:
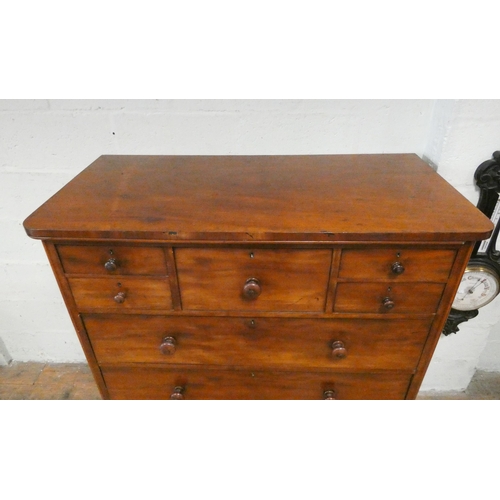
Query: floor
[(75, 381), (47, 381)]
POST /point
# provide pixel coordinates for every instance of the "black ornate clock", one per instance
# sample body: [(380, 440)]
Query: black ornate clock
[(481, 280)]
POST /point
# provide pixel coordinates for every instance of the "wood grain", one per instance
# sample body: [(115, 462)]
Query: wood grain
[(100, 293), (275, 343), (159, 383), (258, 277), (91, 259), (408, 298), (419, 264), (278, 198), (291, 280)]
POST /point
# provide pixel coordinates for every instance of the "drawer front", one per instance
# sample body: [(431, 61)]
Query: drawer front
[(407, 298), (253, 279), (267, 342), (121, 294), (396, 264), (112, 260), (160, 383)]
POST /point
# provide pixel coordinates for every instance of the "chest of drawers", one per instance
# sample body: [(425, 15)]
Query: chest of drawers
[(258, 277)]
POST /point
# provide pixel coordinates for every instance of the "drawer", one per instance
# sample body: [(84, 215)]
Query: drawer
[(112, 260), (340, 344), (161, 383), (122, 293), (420, 298), (403, 264), (253, 279)]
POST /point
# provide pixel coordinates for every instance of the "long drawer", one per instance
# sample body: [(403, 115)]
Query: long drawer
[(181, 382), (269, 342)]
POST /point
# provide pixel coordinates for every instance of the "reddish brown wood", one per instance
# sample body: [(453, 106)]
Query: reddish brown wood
[(178, 393), (288, 280), (121, 293), (338, 349), (252, 277), (413, 264), (279, 198), (112, 259), (172, 275), (168, 345), (67, 296), (329, 395), (252, 288), (275, 343), (157, 383), (332, 282), (388, 297), (456, 273)]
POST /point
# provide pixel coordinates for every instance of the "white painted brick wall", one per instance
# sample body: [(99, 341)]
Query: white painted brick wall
[(44, 143), (464, 133)]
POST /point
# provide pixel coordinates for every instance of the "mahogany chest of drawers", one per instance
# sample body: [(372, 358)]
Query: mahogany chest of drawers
[(258, 277)]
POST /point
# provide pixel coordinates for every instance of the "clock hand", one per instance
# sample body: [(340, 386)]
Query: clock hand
[(471, 290), (476, 285)]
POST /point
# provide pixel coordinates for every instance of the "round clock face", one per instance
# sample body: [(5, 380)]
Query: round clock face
[(479, 286)]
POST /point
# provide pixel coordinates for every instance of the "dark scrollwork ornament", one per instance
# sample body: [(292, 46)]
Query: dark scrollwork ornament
[(485, 254), (457, 317)]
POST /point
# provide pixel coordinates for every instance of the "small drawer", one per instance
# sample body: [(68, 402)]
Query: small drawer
[(422, 298), (184, 383), (112, 260), (253, 279), (121, 294), (403, 264), (340, 344)]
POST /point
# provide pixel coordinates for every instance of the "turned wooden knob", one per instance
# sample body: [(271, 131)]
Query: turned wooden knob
[(252, 288), (120, 297), (177, 394), (110, 264), (338, 349), (329, 395), (167, 345), (398, 268), (388, 303)]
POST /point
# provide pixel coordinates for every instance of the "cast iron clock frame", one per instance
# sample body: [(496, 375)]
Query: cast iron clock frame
[(485, 254)]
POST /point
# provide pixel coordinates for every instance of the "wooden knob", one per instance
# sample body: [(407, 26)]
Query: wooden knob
[(398, 268), (329, 395), (167, 345), (252, 288), (177, 394), (388, 303), (110, 264), (120, 297), (338, 349)]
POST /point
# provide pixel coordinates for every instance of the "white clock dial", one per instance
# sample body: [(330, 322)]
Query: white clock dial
[(479, 286)]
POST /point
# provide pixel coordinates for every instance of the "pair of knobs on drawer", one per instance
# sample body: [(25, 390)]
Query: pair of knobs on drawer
[(169, 344), (178, 394)]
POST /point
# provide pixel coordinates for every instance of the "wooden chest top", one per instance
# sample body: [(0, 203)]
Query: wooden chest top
[(395, 197)]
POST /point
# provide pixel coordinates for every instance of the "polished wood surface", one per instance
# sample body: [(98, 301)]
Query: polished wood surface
[(276, 343), (268, 277), (396, 263), (249, 198), (159, 383), (281, 279), (112, 260), (389, 298), (121, 293)]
